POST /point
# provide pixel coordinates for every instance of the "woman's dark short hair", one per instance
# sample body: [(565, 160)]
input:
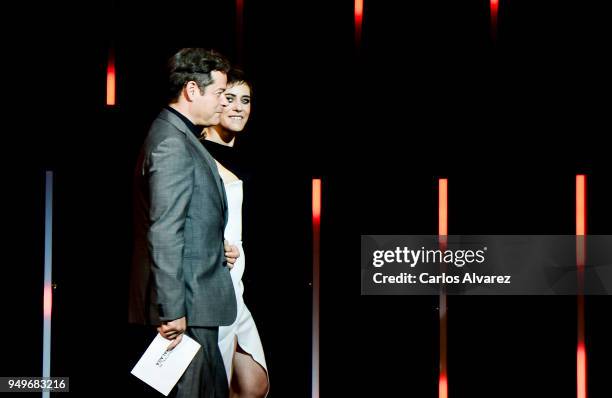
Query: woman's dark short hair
[(236, 76), (193, 64)]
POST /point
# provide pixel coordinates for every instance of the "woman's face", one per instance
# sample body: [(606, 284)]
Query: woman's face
[(236, 113)]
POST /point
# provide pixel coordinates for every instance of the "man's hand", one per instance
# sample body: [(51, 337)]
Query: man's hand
[(173, 330), (231, 254)]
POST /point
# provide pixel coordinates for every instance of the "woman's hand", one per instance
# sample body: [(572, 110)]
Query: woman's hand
[(231, 254)]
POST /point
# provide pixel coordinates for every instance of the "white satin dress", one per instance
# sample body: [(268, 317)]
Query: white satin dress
[(243, 328)]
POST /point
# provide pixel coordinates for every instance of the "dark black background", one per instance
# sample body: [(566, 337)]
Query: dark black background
[(428, 94)]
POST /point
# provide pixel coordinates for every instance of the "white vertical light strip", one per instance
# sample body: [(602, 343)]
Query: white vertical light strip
[(47, 298), (316, 238)]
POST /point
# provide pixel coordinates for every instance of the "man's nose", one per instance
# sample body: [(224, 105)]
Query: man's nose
[(224, 101)]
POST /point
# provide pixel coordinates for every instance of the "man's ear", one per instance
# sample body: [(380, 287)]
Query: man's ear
[(191, 90)]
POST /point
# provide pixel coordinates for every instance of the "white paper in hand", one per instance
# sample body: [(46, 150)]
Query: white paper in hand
[(161, 369)]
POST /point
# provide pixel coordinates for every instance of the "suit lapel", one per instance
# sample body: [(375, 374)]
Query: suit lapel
[(179, 124)]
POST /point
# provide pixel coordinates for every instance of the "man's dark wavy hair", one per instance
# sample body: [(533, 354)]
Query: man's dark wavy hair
[(193, 64)]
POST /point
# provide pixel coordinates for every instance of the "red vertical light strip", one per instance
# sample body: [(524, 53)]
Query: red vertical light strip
[(494, 6), (239, 28), (316, 239), (581, 231), (358, 21), (443, 235), (110, 80)]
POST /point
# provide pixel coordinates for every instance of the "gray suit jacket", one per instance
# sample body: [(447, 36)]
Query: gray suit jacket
[(180, 212)]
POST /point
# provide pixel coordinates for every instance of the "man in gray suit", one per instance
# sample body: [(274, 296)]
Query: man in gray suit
[(180, 281)]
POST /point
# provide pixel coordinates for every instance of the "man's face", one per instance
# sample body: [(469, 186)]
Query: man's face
[(207, 106)]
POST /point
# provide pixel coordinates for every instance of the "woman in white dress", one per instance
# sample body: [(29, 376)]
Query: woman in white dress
[(240, 344)]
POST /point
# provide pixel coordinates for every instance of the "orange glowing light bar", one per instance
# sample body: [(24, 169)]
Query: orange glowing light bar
[(581, 373), (581, 230), (443, 207), (110, 82), (443, 232), (580, 205), (316, 200), (358, 10), (358, 20), (442, 387)]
